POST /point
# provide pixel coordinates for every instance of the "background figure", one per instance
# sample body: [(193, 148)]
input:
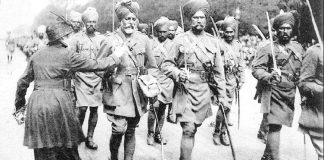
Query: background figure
[(311, 89), (278, 95), (51, 125), (76, 21), (185, 65), (161, 46), (234, 75), (88, 84), (38, 42), (10, 46)]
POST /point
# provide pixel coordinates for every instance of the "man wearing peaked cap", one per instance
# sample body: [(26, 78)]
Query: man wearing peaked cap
[(161, 46), (280, 83), (88, 84), (123, 101), (195, 65)]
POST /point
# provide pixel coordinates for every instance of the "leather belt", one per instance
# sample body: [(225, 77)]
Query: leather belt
[(53, 83)]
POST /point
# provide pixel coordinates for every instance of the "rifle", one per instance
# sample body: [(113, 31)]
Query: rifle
[(182, 24), (259, 32), (237, 101), (214, 24), (221, 107)]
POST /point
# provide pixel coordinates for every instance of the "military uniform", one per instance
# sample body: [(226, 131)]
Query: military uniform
[(123, 101), (87, 84), (277, 101), (311, 89), (161, 52), (234, 75)]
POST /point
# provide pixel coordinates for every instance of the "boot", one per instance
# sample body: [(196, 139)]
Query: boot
[(216, 138), (115, 141), (159, 139), (150, 138), (224, 139), (266, 156), (90, 144)]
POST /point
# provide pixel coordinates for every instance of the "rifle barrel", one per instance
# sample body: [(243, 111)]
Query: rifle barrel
[(271, 42)]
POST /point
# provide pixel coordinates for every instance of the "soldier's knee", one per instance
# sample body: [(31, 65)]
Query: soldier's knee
[(188, 129), (118, 129)]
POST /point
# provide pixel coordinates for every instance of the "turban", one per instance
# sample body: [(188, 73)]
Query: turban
[(282, 19), (193, 6), (41, 29), (229, 22), (58, 31), (124, 8), (173, 25), (75, 16), (142, 26), (161, 22), (90, 13)]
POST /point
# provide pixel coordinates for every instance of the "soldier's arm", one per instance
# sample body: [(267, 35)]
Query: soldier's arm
[(104, 51), (308, 85), (23, 84), (79, 62), (260, 65), (219, 78), (170, 65)]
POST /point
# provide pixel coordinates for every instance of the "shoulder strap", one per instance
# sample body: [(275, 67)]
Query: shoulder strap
[(122, 42), (201, 47)]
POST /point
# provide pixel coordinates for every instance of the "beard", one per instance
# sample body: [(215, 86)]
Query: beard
[(91, 29), (171, 36), (162, 38), (197, 29), (228, 38), (284, 38)]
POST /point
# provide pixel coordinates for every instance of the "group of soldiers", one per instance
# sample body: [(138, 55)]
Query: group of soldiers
[(194, 70)]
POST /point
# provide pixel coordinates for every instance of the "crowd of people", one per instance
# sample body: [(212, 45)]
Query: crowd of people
[(175, 76)]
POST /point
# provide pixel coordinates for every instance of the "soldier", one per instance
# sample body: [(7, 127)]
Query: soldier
[(279, 91), (123, 102), (10, 46), (76, 21), (143, 27), (51, 128), (311, 90), (161, 47), (196, 66), (37, 42), (173, 26), (88, 84), (234, 75)]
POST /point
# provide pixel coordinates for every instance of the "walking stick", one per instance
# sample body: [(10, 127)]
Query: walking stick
[(227, 130), (304, 147), (156, 118), (238, 108)]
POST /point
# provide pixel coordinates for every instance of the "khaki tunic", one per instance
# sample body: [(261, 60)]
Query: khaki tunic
[(192, 102), (161, 52), (87, 84), (121, 92), (232, 57), (278, 100), (311, 89)]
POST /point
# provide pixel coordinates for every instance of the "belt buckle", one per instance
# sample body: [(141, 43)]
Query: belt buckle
[(203, 75)]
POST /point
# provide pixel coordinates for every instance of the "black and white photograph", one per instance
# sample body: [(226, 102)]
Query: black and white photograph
[(161, 79)]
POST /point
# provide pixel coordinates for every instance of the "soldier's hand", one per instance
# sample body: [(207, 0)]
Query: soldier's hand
[(183, 76), (119, 51), (275, 76)]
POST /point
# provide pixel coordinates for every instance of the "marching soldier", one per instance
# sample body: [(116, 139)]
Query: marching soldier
[(37, 42), (311, 90), (234, 76), (123, 102), (161, 47), (10, 46), (88, 84), (279, 90), (196, 66)]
